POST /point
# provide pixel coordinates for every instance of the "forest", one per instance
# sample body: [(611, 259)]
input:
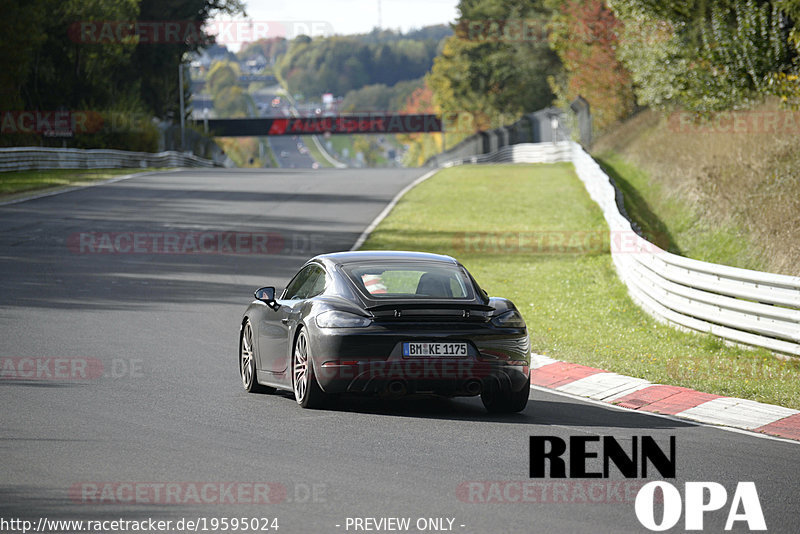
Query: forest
[(50, 64), (498, 60)]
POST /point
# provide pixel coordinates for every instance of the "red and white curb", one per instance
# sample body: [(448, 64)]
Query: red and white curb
[(639, 394)]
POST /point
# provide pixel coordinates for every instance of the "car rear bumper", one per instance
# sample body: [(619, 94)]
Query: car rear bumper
[(371, 360), (451, 378)]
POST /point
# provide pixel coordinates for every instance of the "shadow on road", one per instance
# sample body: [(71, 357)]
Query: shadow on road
[(538, 412)]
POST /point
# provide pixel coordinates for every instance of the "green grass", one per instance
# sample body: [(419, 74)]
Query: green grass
[(341, 142), (23, 181), (315, 152), (270, 155), (576, 308), (676, 225)]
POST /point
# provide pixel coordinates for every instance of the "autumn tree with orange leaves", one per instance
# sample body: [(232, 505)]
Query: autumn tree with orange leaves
[(421, 145), (585, 35)]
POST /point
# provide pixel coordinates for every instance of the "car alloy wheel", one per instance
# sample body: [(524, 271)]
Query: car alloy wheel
[(247, 362), (307, 392), (300, 368)]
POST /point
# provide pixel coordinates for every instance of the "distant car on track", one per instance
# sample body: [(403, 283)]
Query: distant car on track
[(386, 323)]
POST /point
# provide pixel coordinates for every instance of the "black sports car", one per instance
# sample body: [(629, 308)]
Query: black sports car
[(389, 323)]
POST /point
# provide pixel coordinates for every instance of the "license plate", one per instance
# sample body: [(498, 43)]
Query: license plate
[(434, 349)]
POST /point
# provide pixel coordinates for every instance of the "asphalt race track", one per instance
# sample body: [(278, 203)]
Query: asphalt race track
[(287, 154), (156, 402)]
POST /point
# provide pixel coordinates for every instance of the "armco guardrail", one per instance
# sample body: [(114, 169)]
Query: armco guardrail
[(324, 151), (740, 305), (522, 153), (543, 126), (35, 158)]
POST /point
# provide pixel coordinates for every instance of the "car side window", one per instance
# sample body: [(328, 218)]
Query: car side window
[(308, 283), (316, 283)]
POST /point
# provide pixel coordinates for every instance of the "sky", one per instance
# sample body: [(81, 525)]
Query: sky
[(325, 17)]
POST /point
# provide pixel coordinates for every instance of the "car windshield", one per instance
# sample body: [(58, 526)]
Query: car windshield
[(410, 280)]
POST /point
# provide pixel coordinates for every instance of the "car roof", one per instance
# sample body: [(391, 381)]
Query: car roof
[(368, 256)]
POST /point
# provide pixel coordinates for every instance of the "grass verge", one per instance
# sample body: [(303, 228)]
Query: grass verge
[(728, 188), (315, 152), (494, 219), (12, 183), (269, 154), (676, 225)]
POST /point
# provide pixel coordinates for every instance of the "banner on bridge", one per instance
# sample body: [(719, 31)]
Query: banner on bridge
[(338, 124)]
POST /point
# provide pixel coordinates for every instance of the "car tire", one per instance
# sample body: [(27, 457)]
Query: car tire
[(518, 400), (307, 392), (247, 362), (497, 400)]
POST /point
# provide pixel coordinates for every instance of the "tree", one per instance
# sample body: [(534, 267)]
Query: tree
[(496, 64), (222, 75), (70, 71), (379, 97), (584, 34), (787, 84), (15, 14), (368, 147), (232, 102), (341, 64), (271, 48), (703, 55), (73, 55), (421, 145), (159, 88)]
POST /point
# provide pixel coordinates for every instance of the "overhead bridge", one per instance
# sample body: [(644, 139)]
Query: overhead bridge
[(361, 123)]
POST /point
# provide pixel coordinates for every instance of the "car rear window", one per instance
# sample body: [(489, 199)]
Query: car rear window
[(410, 280)]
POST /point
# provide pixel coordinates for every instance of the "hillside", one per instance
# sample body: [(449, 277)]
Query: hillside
[(725, 190), (340, 64)]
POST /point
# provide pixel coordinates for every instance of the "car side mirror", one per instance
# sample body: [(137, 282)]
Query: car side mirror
[(267, 296)]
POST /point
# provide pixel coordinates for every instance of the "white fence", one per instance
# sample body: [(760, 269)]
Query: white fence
[(34, 158), (522, 153), (739, 305)]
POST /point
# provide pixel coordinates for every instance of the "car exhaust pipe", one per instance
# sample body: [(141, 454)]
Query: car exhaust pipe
[(396, 388), (473, 387)]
